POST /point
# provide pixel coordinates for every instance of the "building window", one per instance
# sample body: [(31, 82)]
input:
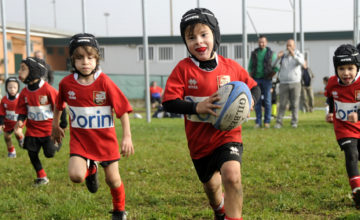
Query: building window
[(61, 51), (238, 52), (50, 50), (102, 53), (223, 50), (141, 53), (9, 45), (166, 53)]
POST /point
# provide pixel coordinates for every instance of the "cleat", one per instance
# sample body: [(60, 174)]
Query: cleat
[(92, 182), (356, 197), (219, 216), (12, 154), (41, 181), (118, 215)]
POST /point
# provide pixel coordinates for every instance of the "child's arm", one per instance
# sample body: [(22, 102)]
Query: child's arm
[(127, 147), (57, 132)]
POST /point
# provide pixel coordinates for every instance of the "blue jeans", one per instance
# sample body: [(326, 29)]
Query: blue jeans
[(265, 86)]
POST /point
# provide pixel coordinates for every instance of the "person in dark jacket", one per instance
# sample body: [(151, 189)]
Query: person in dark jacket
[(261, 69)]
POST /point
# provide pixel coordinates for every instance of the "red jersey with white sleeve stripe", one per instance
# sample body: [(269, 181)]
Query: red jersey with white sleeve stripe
[(188, 82), (7, 109), (346, 100), (38, 105), (91, 107)]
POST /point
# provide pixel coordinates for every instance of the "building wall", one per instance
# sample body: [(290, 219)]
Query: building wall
[(17, 43)]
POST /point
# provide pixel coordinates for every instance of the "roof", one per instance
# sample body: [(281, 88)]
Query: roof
[(36, 31), (232, 38)]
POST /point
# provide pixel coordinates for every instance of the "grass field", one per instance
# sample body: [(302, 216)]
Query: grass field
[(287, 174)]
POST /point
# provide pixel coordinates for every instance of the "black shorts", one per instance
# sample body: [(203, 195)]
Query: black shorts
[(155, 99), (102, 163), (34, 144), (208, 165)]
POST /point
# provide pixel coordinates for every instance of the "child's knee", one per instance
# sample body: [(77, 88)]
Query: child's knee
[(76, 177), (113, 181)]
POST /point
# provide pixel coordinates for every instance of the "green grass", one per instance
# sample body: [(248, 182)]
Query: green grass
[(287, 174)]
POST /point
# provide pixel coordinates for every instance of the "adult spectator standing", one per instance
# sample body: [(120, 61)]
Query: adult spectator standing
[(307, 94), (49, 75), (261, 69), (290, 63)]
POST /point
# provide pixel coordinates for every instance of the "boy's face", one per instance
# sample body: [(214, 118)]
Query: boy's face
[(347, 73), (84, 62), (23, 72), (12, 88), (200, 42)]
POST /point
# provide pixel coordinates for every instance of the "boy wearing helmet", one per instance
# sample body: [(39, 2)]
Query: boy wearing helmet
[(216, 154), (8, 117), (92, 97), (36, 104), (343, 97)]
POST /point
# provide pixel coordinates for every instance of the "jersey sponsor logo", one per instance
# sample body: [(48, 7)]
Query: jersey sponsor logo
[(93, 117), (342, 110), (43, 99), (198, 117), (72, 95), (192, 84), (222, 80), (357, 95), (99, 97), (40, 113), (5, 105), (11, 115)]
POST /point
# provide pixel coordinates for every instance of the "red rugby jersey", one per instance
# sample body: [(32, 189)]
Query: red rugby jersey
[(92, 130), (188, 82), (7, 109), (38, 105), (346, 100)]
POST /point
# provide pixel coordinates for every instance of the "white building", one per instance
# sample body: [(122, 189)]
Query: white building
[(123, 55)]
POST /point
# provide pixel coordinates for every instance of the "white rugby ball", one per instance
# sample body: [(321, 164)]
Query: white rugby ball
[(235, 103)]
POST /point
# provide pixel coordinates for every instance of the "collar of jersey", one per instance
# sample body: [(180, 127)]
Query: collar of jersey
[(197, 63), (96, 74)]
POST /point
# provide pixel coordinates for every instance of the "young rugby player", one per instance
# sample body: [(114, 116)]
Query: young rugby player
[(216, 154), (92, 98)]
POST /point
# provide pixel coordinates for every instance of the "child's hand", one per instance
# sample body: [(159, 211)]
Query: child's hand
[(353, 117), (57, 133), (329, 118), (127, 147), (207, 106), (19, 124), (2, 127)]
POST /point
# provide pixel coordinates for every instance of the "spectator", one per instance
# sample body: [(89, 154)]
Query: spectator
[(307, 94), (290, 63), (156, 93), (261, 69), (49, 75)]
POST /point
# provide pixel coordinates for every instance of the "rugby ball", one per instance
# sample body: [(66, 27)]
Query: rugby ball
[(235, 103)]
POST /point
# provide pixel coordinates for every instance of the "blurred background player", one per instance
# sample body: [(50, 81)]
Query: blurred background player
[(36, 104), (92, 97), (343, 91), (8, 117), (216, 154), (49, 74), (156, 93)]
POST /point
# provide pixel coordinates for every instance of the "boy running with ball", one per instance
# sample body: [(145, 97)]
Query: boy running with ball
[(191, 90)]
